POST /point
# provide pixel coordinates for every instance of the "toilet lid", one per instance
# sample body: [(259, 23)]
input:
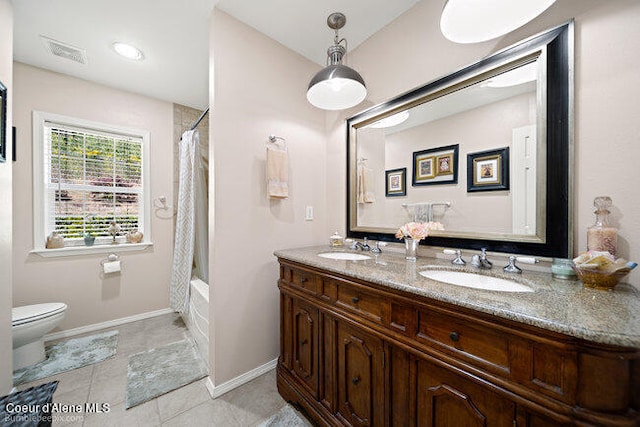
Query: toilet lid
[(31, 313)]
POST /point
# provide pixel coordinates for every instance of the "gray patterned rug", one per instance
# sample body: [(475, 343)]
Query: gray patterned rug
[(70, 354), (286, 417), (160, 370)]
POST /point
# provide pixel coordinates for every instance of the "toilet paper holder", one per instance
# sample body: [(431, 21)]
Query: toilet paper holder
[(111, 264), (110, 258)]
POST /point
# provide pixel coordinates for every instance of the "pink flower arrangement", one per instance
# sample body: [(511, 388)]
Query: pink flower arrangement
[(418, 230)]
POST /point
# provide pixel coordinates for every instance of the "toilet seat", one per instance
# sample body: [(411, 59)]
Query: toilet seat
[(31, 313)]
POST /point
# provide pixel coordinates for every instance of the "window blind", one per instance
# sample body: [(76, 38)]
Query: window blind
[(91, 179)]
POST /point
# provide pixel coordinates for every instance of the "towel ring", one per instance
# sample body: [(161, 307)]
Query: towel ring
[(274, 140)]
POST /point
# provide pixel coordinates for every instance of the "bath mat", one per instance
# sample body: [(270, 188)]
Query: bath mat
[(70, 354), (160, 370), (31, 407), (286, 417)]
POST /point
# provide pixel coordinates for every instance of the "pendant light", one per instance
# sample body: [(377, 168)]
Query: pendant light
[(391, 121), (337, 86), (473, 21)]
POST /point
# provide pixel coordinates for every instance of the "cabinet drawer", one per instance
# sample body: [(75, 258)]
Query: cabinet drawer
[(304, 280), (478, 344), (367, 304)]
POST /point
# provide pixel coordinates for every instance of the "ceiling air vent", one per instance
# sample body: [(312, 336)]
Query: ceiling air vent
[(64, 50)]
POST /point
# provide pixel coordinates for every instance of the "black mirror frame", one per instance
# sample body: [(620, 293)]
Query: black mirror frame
[(3, 123), (558, 242)]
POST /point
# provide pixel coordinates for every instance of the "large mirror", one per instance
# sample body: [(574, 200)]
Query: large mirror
[(484, 151)]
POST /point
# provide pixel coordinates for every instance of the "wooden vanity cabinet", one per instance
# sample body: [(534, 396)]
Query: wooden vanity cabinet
[(358, 354)]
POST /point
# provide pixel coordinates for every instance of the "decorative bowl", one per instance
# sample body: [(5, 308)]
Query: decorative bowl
[(598, 279)]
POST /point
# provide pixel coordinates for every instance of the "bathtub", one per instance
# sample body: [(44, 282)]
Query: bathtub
[(197, 319)]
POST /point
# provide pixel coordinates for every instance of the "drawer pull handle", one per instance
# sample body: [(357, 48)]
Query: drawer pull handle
[(455, 337), (355, 300), (304, 342), (355, 380), (304, 279)]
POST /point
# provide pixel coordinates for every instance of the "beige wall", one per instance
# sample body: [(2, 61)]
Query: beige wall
[(143, 285), (6, 67), (259, 90), (607, 98)]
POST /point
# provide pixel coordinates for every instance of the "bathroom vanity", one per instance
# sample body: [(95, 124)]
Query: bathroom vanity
[(373, 342)]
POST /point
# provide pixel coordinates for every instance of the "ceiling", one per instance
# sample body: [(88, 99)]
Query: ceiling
[(174, 36), (286, 20)]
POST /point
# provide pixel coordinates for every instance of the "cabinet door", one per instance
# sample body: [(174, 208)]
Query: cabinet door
[(305, 344), (360, 377), (447, 400)]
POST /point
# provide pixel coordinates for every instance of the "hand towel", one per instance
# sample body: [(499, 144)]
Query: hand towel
[(277, 172), (365, 185)]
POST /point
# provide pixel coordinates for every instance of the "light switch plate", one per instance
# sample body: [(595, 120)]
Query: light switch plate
[(308, 213)]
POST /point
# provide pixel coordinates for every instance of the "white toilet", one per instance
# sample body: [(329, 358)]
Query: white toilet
[(29, 324)]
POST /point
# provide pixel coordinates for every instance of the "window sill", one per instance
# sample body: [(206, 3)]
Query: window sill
[(88, 250)]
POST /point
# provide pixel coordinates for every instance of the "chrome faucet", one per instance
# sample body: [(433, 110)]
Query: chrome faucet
[(481, 260), (364, 246)]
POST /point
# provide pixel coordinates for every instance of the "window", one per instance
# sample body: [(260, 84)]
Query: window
[(88, 175)]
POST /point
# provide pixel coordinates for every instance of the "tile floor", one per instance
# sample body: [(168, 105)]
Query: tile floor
[(192, 406)]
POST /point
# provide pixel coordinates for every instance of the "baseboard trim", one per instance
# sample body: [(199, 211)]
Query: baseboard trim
[(103, 325), (217, 391)]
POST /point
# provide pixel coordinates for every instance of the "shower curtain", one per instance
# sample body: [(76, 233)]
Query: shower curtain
[(191, 240)]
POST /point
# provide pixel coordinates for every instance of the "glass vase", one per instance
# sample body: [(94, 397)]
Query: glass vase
[(411, 246), (601, 236)]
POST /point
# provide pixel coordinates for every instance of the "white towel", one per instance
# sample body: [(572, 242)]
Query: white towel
[(277, 172), (365, 185)]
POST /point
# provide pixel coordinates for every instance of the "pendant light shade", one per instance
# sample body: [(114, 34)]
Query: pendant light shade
[(336, 86), (473, 21), (391, 121)]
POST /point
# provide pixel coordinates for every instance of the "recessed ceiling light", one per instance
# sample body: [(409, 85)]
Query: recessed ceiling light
[(128, 51)]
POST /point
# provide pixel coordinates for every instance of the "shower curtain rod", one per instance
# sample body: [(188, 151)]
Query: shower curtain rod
[(204, 113)]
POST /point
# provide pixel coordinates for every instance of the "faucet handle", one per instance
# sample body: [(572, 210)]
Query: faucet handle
[(527, 259), (377, 249), (512, 267), (458, 253)]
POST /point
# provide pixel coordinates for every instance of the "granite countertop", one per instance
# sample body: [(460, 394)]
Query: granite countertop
[(607, 317)]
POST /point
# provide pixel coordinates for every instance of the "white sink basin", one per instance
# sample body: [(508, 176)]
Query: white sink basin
[(349, 256), (476, 281)]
